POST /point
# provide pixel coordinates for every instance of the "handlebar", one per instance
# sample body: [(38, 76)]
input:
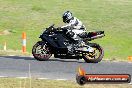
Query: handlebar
[(51, 29), (52, 25)]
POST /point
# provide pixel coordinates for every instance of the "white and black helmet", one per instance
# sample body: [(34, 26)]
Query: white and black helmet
[(67, 16)]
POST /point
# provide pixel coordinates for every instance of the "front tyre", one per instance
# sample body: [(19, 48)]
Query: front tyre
[(41, 51), (96, 56)]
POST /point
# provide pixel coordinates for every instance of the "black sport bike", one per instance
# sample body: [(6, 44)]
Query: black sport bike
[(58, 42)]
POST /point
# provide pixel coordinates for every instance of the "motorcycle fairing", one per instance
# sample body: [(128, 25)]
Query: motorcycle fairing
[(56, 41)]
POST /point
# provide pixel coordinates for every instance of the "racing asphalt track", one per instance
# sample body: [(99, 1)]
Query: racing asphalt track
[(15, 66)]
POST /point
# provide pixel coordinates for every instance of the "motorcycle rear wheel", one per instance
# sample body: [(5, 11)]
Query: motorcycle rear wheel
[(41, 51), (95, 56)]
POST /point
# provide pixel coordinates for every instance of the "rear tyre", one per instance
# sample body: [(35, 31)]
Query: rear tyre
[(95, 56), (41, 51)]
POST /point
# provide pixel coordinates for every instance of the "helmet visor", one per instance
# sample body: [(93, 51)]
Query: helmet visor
[(65, 19)]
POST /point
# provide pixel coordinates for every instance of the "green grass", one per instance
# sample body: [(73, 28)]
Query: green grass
[(14, 53), (31, 16), (35, 83)]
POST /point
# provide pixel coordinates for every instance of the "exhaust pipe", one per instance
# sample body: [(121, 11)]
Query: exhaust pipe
[(98, 36)]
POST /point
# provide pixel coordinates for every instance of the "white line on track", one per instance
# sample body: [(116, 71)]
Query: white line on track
[(28, 77), (3, 76), (22, 77), (60, 79), (42, 78)]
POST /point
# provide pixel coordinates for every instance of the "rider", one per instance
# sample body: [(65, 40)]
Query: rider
[(75, 29), (76, 25)]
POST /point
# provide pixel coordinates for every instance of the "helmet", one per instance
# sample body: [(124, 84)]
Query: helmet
[(67, 16)]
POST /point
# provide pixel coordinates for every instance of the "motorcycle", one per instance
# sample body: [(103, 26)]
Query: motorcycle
[(58, 42)]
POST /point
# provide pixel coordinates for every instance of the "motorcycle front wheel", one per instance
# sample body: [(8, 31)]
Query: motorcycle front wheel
[(41, 51), (96, 56)]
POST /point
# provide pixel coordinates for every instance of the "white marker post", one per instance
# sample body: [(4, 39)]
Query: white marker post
[(5, 46)]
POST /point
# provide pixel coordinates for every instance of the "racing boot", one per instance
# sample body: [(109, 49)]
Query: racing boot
[(81, 46)]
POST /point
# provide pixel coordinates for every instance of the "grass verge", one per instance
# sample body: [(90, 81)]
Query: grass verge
[(36, 83)]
